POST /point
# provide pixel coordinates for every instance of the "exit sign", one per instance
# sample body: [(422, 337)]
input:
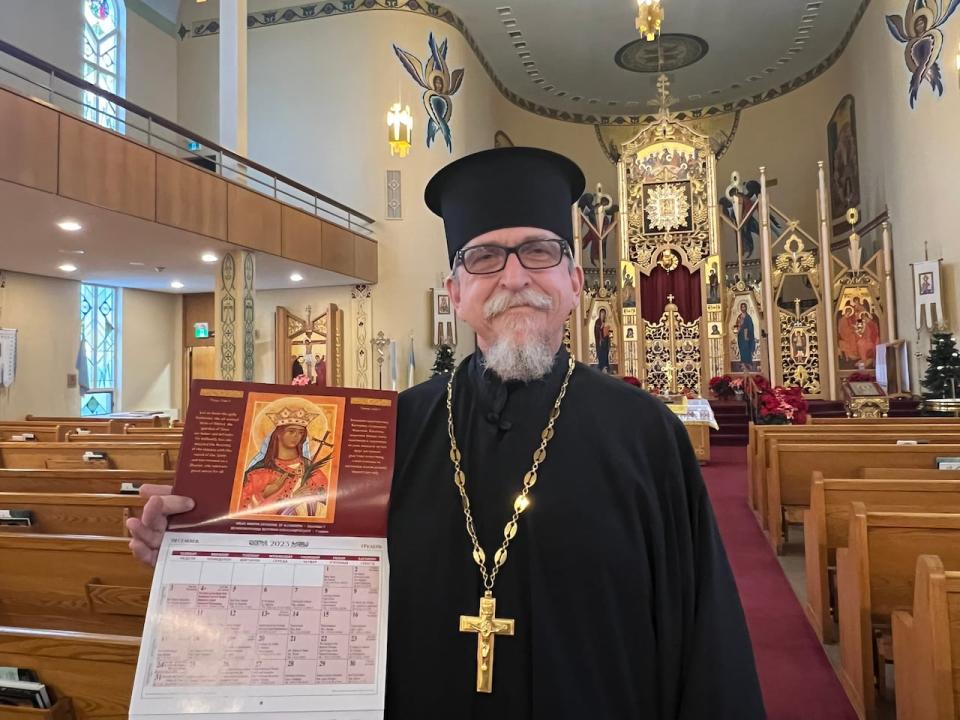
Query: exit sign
[(201, 330)]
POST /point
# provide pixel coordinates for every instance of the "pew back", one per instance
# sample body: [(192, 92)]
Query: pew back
[(79, 481), (72, 582), (875, 576), (909, 474), (758, 458), (123, 455), (94, 671), (788, 480), (926, 645), (74, 514), (826, 524)]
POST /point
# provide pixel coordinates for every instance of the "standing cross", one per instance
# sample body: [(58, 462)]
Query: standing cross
[(487, 626)]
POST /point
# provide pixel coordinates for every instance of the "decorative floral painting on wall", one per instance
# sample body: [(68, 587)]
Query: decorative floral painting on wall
[(439, 83)]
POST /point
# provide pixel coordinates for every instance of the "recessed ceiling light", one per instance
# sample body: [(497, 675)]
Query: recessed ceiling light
[(69, 225), (67, 267), (296, 277), (135, 263), (176, 284), (209, 257)]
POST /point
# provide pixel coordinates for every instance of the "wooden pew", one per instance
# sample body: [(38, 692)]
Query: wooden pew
[(134, 430), (908, 474), (41, 432), (72, 582), (826, 523), (94, 671), (791, 465), (74, 481), (926, 645), (123, 437), (100, 514), (759, 460), (120, 455), (875, 575), (139, 420)]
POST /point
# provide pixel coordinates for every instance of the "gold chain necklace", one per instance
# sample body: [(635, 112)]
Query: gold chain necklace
[(486, 624)]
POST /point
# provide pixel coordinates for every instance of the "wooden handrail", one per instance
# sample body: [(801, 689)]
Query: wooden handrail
[(82, 84)]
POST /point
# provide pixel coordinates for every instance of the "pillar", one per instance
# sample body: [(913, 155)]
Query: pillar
[(234, 317), (233, 80)]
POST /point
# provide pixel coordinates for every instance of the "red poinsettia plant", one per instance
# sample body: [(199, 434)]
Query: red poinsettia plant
[(782, 406), (726, 387)]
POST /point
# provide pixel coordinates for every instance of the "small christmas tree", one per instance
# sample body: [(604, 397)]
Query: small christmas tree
[(444, 364), (943, 366)]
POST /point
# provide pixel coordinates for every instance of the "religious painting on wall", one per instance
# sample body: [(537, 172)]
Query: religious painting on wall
[(713, 280), (744, 333), (844, 159), (858, 330), (919, 28), (926, 293), (628, 285), (439, 84), (598, 220), (290, 457), (603, 334)]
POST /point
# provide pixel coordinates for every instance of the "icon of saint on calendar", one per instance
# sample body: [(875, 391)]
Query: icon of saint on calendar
[(289, 458)]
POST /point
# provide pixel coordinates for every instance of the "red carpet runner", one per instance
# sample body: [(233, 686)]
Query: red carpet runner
[(796, 677)]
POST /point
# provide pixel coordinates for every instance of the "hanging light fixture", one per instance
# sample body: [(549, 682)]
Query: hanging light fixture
[(649, 18), (400, 129)]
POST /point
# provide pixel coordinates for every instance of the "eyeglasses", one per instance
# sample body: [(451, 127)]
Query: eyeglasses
[(533, 255)]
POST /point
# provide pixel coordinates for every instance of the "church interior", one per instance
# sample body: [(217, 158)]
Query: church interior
[(233, 190)]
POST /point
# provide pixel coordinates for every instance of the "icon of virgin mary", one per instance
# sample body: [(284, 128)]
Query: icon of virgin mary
[(285, 473)]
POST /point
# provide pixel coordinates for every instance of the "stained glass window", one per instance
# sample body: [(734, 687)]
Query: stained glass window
[(103, 59), (99, 340)]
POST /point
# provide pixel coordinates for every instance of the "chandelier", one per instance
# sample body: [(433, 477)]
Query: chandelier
[(649, 18), (400, 129)]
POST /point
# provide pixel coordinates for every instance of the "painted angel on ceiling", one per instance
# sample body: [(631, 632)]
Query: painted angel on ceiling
[(439, 84), (919, 28)]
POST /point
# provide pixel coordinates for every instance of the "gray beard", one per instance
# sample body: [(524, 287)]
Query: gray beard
[(513, 359), (529, 359)]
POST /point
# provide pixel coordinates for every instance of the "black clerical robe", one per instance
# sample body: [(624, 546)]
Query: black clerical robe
[(624, 602)]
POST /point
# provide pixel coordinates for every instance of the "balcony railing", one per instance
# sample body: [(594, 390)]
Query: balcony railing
[(34, 77)]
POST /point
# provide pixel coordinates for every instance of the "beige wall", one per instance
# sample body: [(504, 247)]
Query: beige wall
[(151, 350), (46, 314)]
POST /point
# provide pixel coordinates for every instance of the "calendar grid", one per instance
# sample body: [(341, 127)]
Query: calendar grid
[(267, 619)]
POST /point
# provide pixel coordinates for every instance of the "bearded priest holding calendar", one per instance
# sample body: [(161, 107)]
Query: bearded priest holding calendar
[(554, 553)]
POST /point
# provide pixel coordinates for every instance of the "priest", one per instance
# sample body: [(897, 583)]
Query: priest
[(553, 550)]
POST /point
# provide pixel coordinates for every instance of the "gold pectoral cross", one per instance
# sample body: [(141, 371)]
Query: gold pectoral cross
[(487, 626)]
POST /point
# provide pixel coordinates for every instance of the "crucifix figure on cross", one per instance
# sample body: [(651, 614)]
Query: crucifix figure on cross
[(487, 626)]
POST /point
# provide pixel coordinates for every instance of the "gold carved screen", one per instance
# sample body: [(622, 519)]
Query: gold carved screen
[(798, 303), (668, 233)]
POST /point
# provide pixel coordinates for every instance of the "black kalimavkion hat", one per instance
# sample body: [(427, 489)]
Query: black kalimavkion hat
[(505, 187)]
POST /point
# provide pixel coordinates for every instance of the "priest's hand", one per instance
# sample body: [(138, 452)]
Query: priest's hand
[(147, 531)]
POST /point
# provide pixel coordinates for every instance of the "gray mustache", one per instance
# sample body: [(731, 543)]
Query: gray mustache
[(504, 300)]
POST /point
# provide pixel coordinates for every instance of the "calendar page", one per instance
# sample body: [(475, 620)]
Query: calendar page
[(270, 597)]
